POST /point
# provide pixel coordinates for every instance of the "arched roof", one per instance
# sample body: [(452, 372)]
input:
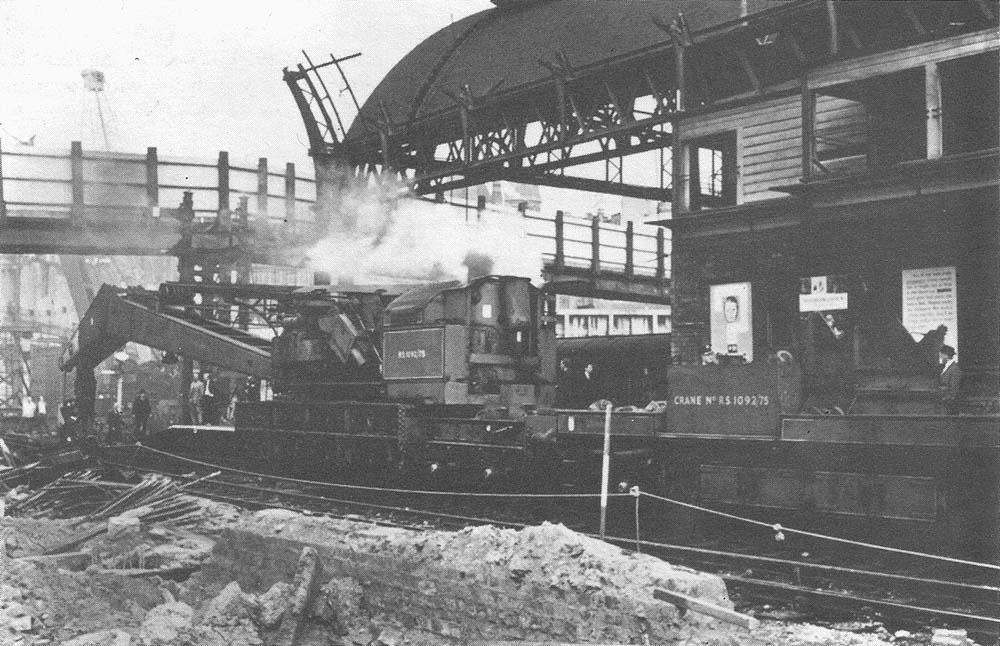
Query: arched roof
[(504, 45)]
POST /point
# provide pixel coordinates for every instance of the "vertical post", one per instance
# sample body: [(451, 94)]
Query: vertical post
[(223, 185), (560, 241), (76, 170), (634, 491), (3, 204), (595, 245), (693, 154), (187, 374), (629, 251), (383, 137), (561, 99), (152, 180), (120, 387), (463, 114), (262, 188), (831, 16), (932, 98), (605, 468), (243, 213), (680, 195), (290, 194), (808, 129), (661, 255)]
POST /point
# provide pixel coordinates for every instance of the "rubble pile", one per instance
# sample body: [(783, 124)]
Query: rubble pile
[(528, 584), (278, 578)]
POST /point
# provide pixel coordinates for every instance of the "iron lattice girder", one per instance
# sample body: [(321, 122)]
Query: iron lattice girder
[(550, 153), (753, 58)]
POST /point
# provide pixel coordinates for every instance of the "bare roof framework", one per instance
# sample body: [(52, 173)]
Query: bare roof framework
[(535, 92)]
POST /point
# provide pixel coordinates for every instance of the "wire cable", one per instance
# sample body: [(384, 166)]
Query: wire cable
[(469, 494), (780, 529)]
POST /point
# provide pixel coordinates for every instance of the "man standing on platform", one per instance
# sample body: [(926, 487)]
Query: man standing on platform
[(196, 395)]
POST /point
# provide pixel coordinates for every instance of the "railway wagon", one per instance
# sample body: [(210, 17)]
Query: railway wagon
[(737, 439)]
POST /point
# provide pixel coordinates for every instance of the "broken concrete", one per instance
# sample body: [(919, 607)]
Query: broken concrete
[(121, 526), (282, 578), (103, 638), (164, 623)]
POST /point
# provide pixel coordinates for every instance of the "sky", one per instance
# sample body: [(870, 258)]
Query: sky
[(191, 77)]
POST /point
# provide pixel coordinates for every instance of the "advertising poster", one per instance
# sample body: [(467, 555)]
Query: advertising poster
[(826, 296), (822, 294), (930, 301), (732, 320)]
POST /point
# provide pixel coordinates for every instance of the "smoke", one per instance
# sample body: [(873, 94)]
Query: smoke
[(382, 234), (478, 264)]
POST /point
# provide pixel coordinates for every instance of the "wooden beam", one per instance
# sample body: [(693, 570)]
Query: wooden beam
[(932, 100), (884, 63), (685, 602), (808, 129), (831, 17)]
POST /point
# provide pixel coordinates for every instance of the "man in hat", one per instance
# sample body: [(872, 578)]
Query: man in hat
[(949, 379)]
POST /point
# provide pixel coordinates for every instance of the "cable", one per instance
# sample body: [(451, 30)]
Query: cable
[(780, 529), (379, 489)]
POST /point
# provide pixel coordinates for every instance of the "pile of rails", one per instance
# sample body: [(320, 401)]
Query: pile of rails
[(91, 501), (30, 462)]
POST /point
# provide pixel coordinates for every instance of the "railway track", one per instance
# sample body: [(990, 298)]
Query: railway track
[(813, 585)]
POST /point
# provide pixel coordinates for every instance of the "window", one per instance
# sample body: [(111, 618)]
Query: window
[(969, 103), (713, 171)]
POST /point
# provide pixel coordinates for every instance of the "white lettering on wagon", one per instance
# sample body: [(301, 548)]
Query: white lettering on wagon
[(722, 400), (411, 354)]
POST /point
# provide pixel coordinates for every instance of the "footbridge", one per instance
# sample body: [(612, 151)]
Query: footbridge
[(100, 203), (220, 217)]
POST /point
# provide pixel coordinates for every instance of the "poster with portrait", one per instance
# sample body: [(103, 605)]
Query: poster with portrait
[(732, 320)]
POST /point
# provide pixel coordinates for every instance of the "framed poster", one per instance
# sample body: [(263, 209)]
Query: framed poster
[(930, 303), (732, 320)]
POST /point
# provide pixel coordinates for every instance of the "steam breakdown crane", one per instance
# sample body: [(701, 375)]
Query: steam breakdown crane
[(320, 337)]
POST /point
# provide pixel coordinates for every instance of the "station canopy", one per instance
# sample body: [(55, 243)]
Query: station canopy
[(502, 48)]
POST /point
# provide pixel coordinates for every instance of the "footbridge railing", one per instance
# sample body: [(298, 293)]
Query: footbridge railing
[(125, 196)]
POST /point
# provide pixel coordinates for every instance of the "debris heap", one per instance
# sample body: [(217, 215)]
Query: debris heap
[(191, 572)]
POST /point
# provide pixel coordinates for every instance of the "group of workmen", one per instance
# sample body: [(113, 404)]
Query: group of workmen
[(210, 401), (576, 384), (141, 410)]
